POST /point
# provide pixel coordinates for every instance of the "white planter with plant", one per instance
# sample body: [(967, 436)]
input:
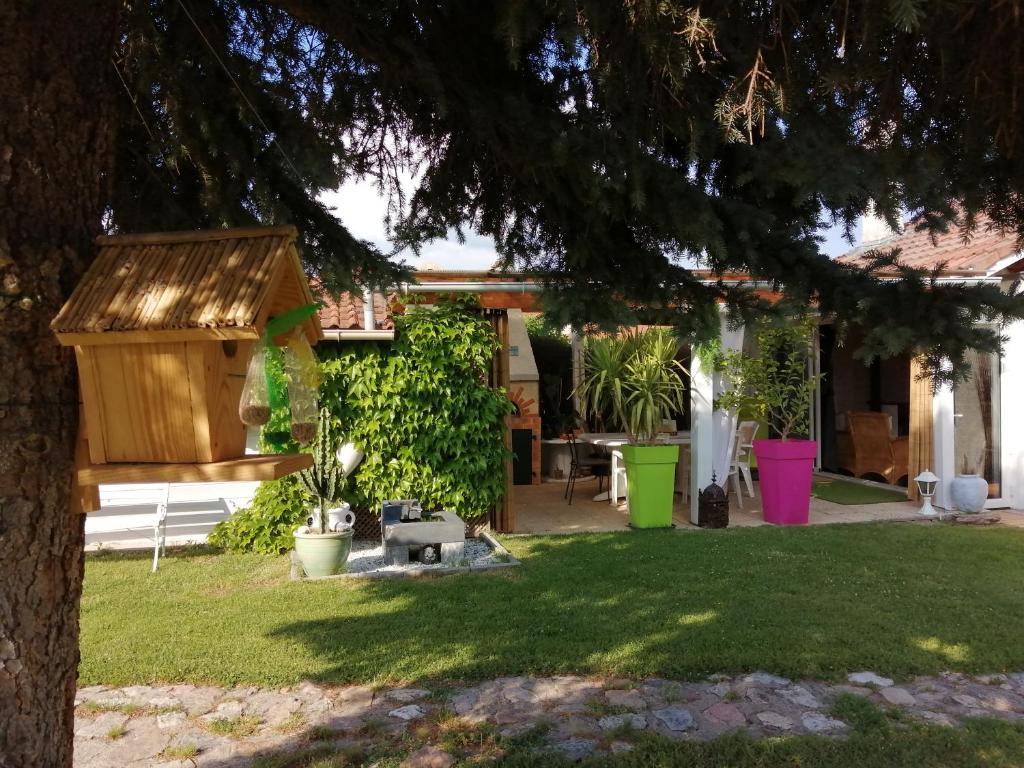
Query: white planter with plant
[(322, 551), (636, 380), (776, 388)]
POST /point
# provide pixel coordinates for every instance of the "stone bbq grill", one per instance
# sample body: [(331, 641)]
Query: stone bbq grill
[(410, 534)]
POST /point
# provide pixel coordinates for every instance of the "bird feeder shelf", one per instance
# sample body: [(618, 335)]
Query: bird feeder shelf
[(163, 325)]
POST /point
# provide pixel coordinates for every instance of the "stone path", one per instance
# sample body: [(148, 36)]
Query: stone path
[(186, 725)]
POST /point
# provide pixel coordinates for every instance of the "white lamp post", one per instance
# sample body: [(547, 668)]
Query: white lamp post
[(927, 482)]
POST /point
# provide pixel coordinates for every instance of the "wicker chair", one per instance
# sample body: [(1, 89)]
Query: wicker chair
[(875, 451)]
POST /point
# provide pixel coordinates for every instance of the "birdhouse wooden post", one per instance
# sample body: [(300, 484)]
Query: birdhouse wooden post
[(163, 325)]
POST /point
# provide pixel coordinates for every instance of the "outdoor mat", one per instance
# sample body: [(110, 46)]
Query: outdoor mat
[(844, 492)]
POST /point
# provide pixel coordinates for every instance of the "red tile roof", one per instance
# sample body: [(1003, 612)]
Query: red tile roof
[(982, 249), (346, 313)]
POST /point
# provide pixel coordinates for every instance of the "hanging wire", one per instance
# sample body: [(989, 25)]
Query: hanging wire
[(135, 102), (241, 93)]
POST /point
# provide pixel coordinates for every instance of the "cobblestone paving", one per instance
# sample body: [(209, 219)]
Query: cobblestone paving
[(187, 725)]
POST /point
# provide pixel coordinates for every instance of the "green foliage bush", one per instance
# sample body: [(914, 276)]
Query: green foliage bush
[(267, 525), (774, 386), (421, 410), (430, 425)]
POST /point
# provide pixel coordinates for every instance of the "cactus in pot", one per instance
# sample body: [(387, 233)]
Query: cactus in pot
[(323, 552), (324, 481)]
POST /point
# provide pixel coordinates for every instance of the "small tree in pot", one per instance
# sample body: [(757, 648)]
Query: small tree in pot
[(323, 552), (636, 379), (777, 388)]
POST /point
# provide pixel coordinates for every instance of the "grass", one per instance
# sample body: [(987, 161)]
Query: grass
[(239, 727), (899, 599), (845, 492), (180, 752), (980, 743), (132, 710), (878, 743), (116, 732)]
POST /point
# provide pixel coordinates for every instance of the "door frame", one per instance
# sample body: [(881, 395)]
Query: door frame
[(943, 412)]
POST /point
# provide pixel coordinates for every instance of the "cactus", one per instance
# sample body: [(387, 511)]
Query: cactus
[(324, 479)]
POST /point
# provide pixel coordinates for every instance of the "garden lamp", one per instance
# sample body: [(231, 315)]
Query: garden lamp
[(927, 482)]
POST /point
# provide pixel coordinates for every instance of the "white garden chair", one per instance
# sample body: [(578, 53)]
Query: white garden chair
[(739, 459), (618, 478), (160, 524)]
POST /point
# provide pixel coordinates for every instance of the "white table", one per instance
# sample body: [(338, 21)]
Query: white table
[(613, 440)]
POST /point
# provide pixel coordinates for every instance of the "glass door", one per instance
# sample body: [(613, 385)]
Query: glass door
[(977, 439)]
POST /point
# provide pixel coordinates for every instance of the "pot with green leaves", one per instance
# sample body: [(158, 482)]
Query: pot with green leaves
[(776, 389), (322, 551), (634, 381)]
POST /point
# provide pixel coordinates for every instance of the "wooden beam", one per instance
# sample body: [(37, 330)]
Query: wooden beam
[(196, 236), (257, 467), (145, 336)]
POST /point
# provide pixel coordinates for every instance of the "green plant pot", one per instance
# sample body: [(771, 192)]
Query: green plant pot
[(323, 554), (651, 481)]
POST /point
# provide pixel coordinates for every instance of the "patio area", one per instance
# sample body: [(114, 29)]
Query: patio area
[(543, 509)]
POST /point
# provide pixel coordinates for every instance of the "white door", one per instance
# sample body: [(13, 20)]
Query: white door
[(969, 429), (814, 420)]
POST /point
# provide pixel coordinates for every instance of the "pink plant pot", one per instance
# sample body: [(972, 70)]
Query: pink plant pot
[(785, 469)]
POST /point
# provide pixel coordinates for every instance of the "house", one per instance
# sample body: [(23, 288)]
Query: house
[(974, 426)]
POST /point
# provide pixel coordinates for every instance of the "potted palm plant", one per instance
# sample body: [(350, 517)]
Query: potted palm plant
[(776, 388), (636, 380), (323, 551)]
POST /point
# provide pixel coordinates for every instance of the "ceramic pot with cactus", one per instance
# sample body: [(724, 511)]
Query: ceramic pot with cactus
[(321, 550)]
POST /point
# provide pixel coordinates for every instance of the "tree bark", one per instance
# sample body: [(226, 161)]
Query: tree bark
[(57, 121)]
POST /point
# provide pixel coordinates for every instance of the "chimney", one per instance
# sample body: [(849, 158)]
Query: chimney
[(369, 323), (874, 227)]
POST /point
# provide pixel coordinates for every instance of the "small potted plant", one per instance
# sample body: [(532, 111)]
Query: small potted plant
[(323, 551), (636, 380), (776, 388)]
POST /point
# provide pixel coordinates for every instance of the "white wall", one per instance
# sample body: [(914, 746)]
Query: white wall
[(710, 430), (522, 366), (1013, 416), (127, 512)]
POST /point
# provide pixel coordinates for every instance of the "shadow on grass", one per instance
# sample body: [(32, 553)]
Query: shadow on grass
[(802, 603), (184, 552), (978, 743)]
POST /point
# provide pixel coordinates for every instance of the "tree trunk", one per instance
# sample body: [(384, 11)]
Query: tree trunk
[(57, 121)]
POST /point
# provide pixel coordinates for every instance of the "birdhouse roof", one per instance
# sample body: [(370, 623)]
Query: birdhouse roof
[(208, 284)]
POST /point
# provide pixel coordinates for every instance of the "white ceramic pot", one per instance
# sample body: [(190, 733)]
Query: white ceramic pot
[(969, 492), (341, 517), (349, 456)]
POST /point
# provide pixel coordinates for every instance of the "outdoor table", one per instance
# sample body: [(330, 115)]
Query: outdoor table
[(613, 440)]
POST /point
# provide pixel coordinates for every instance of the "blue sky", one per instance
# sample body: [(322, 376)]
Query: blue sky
[(363, 211)]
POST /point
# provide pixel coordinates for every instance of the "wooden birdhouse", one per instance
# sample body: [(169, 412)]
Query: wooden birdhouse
[(163, 325)]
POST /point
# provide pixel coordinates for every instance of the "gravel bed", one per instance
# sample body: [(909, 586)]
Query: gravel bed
[(367, 556)]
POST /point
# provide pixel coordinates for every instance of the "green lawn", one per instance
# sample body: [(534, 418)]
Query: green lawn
[(899, 599), (979, 743)]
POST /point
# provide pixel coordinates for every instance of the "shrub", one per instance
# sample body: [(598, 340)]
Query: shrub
[(421, 410), (266, 526), (774, 386)]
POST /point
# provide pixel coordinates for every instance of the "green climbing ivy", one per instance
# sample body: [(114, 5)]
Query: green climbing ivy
[(421, 410)]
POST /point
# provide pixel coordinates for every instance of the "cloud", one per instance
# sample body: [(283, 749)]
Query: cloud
[(361, 208)]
